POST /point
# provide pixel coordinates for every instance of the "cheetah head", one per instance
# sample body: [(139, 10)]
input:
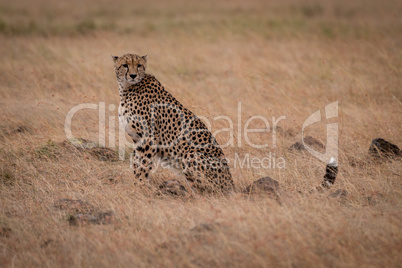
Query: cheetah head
[(130, 68)]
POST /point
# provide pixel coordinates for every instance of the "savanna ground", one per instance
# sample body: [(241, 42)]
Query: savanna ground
[(278, 58)]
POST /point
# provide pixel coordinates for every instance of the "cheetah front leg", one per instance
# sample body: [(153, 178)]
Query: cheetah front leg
[(143, 154)]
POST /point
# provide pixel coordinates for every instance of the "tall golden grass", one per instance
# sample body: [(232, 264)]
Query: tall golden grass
[(278, 58)]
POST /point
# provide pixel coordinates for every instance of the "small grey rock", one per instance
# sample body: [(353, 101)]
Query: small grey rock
[(311, 141), (266, 186), (297, 146), (88, 218), (173, 187), (95, 150), (381, 148), (205, 227)]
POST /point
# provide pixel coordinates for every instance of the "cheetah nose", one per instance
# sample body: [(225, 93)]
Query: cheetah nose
[(133, 76)]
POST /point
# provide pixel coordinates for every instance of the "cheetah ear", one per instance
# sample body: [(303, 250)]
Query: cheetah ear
[(145, 58), (115, 58)]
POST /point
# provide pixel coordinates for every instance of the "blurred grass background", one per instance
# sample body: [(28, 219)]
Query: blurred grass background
[(207, 19)]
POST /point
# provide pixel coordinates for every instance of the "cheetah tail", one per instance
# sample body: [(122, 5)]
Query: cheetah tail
[(331, 171)]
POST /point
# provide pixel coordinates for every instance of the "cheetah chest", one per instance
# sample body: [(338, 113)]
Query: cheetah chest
[(126, 124)]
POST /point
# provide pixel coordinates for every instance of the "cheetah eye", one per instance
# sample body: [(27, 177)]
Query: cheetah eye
[(139, 66), (125, 65)]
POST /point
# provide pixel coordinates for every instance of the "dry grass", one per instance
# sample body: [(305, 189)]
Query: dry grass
[(278, 58)]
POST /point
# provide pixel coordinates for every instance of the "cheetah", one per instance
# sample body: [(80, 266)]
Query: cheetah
[(161, 127)]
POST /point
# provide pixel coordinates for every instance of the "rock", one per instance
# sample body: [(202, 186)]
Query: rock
[(381, 148), (172, 187), (73, 206), (204, 227), (298, 146), (313, 142), (81, 213), (266, 186), (88, 218), (99, 152)]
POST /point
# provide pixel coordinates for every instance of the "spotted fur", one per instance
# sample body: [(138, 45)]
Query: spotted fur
[(162, 127)]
